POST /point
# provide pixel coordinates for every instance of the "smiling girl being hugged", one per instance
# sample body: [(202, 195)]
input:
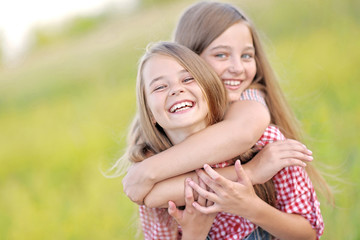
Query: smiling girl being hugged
[(228, 42), (171, 76)]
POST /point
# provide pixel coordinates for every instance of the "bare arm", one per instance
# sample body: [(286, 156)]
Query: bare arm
[(243, 125), (274, 157), (287, 225), (239, 198), (215, 144), (172, 189)]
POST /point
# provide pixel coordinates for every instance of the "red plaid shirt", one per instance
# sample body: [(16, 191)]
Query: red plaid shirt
[(294, 191), (295, 194)]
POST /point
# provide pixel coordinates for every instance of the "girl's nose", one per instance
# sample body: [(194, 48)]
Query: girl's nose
[(237, 66), (176, 90)]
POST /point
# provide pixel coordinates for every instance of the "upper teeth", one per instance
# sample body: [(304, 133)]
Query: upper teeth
[(181, 106), (232, 82)]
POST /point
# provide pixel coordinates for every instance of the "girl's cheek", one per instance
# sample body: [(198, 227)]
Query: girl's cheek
[(219, 68)]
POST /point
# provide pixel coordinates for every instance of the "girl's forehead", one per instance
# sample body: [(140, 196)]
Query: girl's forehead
[(159, 67), (238, 33), (158, 58)]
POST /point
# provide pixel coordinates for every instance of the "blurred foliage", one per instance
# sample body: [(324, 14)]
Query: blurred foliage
[(64, 114), (148, 3), (1, 50), (74, 27)]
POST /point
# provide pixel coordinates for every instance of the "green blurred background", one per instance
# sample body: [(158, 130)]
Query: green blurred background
[(65, 110)]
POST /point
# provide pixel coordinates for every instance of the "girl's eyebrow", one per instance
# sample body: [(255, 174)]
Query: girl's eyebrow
[(161, 77), (183, 71), (228, 47), (220, 47), (155, 80), (250, 48)]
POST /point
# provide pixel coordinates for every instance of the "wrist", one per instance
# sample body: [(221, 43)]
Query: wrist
[(258, 211), (248, 168)]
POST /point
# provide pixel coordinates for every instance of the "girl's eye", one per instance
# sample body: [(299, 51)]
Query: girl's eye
[(188, 79), (158, 88), (247, 56), (220, 55)]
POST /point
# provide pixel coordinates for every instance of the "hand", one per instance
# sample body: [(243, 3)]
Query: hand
[(274, 157), (136, 184), (190, 218), (232, 197)]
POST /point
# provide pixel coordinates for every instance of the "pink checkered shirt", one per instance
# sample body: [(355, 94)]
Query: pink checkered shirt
[(295, 194)]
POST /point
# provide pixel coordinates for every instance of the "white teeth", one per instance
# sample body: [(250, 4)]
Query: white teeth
[(232, 82), (181, 106)]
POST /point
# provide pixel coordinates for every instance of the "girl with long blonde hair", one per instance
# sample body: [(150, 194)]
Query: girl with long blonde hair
[(178, 95), (199, 27)]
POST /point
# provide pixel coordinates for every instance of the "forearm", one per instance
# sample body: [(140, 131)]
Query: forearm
[(215, 144), (286, 225), (173, 188), (138, 184)]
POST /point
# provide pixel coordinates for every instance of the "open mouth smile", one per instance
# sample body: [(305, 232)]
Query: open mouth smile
[(182, 106), (232, 82)]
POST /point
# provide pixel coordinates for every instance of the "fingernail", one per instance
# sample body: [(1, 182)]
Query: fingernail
[(311, 158), (310, 151)]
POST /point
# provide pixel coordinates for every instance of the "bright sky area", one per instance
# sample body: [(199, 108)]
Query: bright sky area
[(17, 17)]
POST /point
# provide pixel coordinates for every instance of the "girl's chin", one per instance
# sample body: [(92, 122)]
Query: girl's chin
[(234, 96)]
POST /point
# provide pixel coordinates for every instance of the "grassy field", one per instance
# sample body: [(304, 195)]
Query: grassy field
[(64, 114)]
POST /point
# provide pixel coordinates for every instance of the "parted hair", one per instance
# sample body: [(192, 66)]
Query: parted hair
[(203, 22), (145, 137)]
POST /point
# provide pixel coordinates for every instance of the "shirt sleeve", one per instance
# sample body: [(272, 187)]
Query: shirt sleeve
[(253, 94), (294, 190), (272, 134), (295, 194), (156, 223)]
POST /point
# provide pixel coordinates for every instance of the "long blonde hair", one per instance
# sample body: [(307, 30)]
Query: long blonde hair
[(146, 138), (202, 23)]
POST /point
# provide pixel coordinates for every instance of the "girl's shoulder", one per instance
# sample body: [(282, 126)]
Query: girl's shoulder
[(253, 94)]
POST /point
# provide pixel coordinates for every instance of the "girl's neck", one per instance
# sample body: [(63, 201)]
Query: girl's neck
[(180, 134)]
